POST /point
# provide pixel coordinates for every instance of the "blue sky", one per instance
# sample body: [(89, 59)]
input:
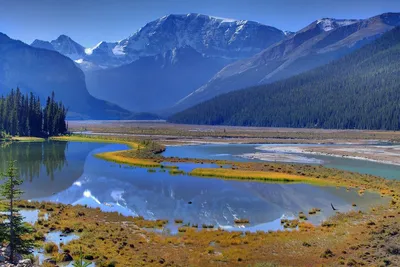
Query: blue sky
[(91, 21)]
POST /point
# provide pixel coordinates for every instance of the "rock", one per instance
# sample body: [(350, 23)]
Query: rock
[(66, 257), (25, 263), (7, 254), (67, 230), (89, 257)]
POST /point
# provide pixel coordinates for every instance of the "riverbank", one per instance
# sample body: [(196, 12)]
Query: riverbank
[(374, 153), (139, 154), (146, 153), (352, 144), (178, 133), (23, 139)]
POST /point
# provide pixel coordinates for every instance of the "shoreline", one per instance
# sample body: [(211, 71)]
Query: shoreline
[(303, 151), (295, 152)]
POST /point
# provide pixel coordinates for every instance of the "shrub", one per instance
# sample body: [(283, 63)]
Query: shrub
[(327, 254), (238, 221), (314, 211), (39, 236), (50, 247)]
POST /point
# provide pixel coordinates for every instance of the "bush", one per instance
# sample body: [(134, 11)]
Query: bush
[(50, 247), (39, 236)]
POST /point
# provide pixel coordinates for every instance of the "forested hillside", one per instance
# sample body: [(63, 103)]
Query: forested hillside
[(361, 90), (23, 115)]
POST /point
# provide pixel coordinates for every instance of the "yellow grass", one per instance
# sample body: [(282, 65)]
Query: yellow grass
[(80, 138), (113, 156), (256, 175), (117, 157), (27, 139)]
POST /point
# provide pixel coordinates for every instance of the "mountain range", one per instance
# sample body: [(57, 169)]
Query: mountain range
[(358, 91), (178, 61), (320, 42), (212, 36), (168, 58), (42, 71)]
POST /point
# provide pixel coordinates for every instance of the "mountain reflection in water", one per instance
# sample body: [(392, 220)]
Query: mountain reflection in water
[(69, 173)]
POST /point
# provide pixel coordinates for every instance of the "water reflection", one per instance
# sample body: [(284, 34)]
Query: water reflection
[(31, 157), (134, 191), (69, 173), (46, 167)]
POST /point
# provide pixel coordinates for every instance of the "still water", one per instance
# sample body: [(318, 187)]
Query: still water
[(69, 173)]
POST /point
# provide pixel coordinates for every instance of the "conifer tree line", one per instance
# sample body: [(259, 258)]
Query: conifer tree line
[(23, 115), (358, 91)]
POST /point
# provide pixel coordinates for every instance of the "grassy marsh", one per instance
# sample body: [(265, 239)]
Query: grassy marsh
[(353, 238), (119, 157), (112, 238), (256, 176)]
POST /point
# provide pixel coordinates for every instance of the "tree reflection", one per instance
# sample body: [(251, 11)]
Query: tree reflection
[(32, 158)]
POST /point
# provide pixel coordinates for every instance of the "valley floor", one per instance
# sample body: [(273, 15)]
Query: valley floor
[(351, 239), (356, 144)]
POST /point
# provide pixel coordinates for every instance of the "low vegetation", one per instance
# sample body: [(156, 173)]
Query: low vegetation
[(314, 211), (112, 238), (140, 154), (242, 221), (255, 175)]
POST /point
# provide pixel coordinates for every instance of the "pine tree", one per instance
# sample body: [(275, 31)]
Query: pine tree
[(81, 262), (15, 230), (23, 115)]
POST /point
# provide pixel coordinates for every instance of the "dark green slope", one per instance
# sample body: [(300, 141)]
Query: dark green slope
[(361, 90)]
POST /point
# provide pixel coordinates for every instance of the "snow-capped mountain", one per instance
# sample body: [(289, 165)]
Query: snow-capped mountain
[(320, 42), (64, 45), (68, 47), (211, 36), (206, 34)]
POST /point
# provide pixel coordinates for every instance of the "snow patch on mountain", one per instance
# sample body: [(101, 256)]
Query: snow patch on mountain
[(328, 24), (223, 20), (208, 35)]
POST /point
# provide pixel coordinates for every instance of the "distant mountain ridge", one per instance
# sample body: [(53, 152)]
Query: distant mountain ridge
[(155, 82), (320, 42), (215, 37), (359, 91), (42, 71), (169, 58)]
